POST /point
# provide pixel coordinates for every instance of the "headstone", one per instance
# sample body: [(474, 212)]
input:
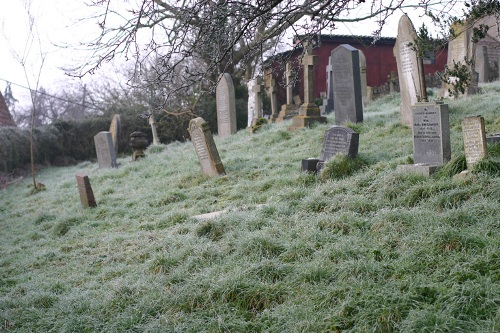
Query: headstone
[(274, 101), (251, 101), (460, 48), (204, 144), (339, 140), (257, 96), (347, 85), (327, 106), (289, 109), (115, 130), (408, 69), (493, 138), (431, 134), (362, 73), (309, 112), (474, 135), (86, 193), (105, 150), (310, 165), (482, 65), (226, 106)]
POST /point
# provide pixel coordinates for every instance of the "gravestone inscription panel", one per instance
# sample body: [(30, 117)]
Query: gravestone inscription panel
[(105, 150), (431, 134), (474, 135)]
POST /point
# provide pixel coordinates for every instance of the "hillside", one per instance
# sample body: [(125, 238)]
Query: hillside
[(372, 250)]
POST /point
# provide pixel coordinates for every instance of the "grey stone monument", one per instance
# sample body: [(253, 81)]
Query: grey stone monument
[(327, 106), (115, 130), (362, 73), (226, 106), (274, 101), (289, 109), (474, 135), (431, 138), (347, 91), (205, 148), (408, 69), (105, 150), (86, 194)]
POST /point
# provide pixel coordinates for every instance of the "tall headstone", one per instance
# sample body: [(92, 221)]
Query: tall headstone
[(309, 112), (105, 150), (257, 96), (226, 106), (205, 148), (251, 101), (362, 73), (289, 109), (274, 101), (327, 106), (86, 194), (460, 48), (408, 69), (115, 130), (474, 135), (347, 85), (482, 65)]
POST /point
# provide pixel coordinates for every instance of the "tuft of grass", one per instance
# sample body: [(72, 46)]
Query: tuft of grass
[(341, 166)]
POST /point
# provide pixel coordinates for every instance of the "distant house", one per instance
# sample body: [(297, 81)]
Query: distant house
[(5, 116), (380, 62)]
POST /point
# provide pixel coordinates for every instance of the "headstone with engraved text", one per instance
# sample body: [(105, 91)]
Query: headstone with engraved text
[(474, 135), (105, 150), (205, 148)]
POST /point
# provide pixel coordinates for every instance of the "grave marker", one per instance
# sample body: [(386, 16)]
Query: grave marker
[(105, 150), (474, 135), (408, 69), (226, 106), (289, 109), (85, 190), (274, 101), (347, 91), (327, 106), (251, 101), (205, 148), (115, 130)]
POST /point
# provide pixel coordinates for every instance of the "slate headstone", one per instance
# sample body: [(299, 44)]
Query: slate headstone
[(408, 69), (474, 135), (431, 134), (115, 130), (105, 150), (226, 106), (339, 140), (205, 148), (86, 194), (348, 102)]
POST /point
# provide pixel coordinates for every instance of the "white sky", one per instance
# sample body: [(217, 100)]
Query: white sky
[(58, 23)]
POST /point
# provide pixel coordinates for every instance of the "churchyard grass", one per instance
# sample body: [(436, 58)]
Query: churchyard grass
[(373, 251)]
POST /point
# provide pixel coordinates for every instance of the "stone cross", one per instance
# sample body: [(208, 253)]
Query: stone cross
[(152, 122), (274, 101), (289, 84), (308, 61), (257, 91)]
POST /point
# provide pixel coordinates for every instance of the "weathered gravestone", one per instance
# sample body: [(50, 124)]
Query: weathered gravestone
[(274, 101), (348, 102), (289, 109), (257, 96), (309, 112), (431, 138), (337, 140), (408, 69), (205, 148), (327, 106), (105, 150), (226, 106), (86, 194), (115, 130), (474, 135), (364, 83), (251, 101)]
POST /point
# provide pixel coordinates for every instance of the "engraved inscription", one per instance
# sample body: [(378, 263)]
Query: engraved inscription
[(474, 139)]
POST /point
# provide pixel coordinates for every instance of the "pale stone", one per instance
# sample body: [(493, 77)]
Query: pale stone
[(474, 134), (226, 106), (205, 148), (105, 150)]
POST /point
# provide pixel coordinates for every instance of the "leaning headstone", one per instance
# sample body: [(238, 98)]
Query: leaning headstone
[(115, 130), (431, 138), (226, 106), (347, 85), (105, 150), (86, 193), (327, 106), (408, 73), (474, 135), (204, 144), (309, 112)]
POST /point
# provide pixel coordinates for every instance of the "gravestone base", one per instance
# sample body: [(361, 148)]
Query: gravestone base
[(310, 165), (308, 115), (421, 169), (288, 111), (493, 139)]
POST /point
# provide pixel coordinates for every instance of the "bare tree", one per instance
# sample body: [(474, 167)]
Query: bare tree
[(222, 35)]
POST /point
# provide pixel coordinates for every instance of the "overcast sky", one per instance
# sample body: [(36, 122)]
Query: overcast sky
[(58, 24)]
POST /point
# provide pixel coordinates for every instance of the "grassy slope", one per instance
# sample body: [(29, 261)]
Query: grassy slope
[(373, 252)]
